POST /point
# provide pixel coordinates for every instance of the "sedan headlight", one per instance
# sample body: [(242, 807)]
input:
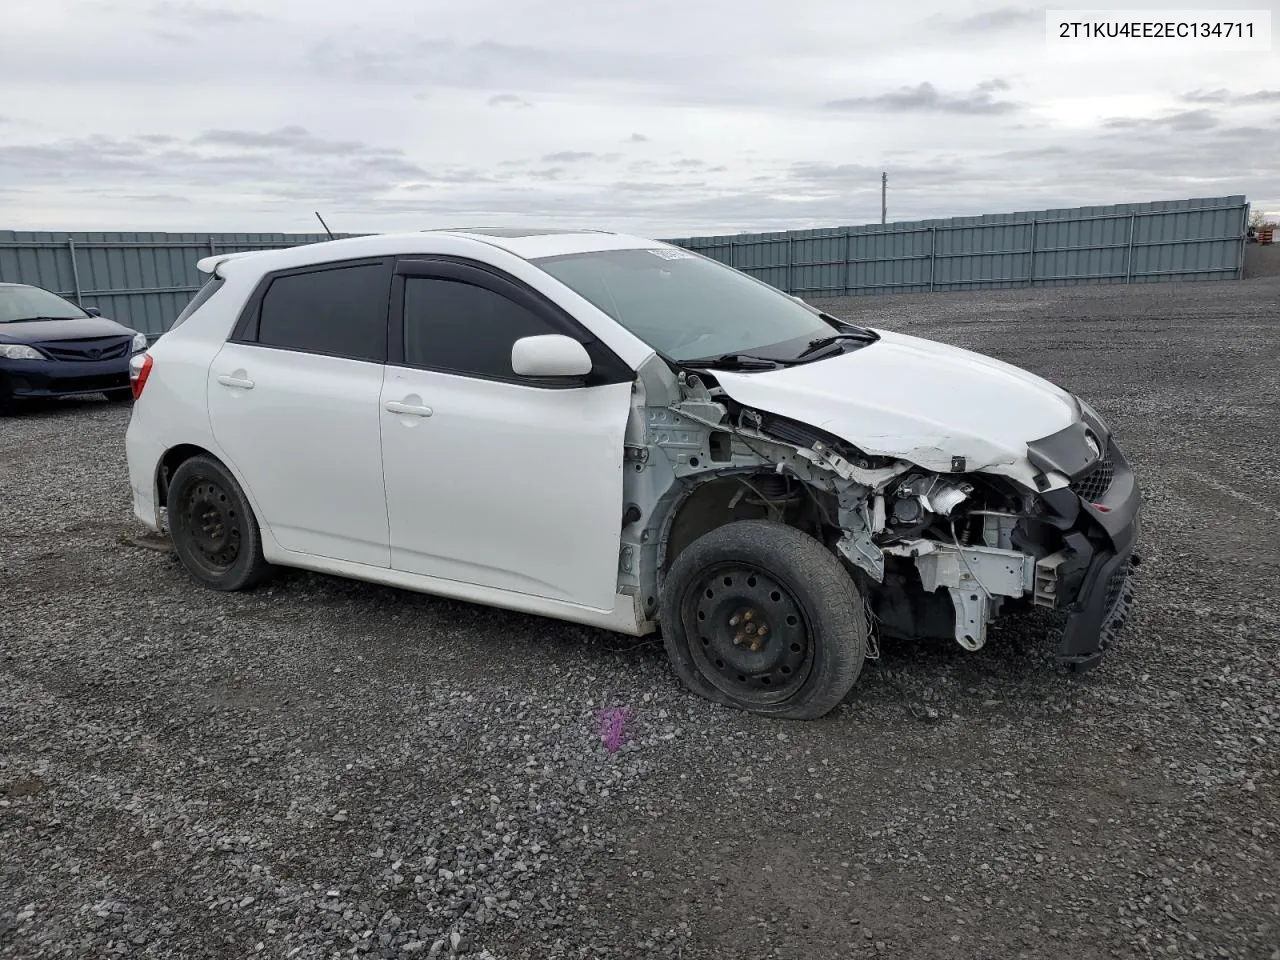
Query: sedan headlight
[(20, 351), (139, 342)]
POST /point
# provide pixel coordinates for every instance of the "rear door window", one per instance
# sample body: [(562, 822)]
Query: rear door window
[(338, 311)]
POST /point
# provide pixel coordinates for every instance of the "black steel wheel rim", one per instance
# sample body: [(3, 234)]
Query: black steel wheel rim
[(212, 525), (748, 635)]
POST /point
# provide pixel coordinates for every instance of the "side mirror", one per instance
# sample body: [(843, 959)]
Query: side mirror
[(93, 311), (549, 355)]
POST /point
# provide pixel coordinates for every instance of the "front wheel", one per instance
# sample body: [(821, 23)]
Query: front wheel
[(760, 616), (213, 528)]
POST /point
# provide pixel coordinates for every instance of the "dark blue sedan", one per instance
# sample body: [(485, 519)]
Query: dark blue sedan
[(49, 347)]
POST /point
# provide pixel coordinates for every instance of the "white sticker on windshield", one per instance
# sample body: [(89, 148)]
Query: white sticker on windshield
[(671, 254)]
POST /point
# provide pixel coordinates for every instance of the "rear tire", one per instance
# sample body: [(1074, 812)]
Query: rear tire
[(760, 616), (214, 531)]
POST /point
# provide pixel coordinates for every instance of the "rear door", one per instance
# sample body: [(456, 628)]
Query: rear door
[(494, 479), (293, 403)]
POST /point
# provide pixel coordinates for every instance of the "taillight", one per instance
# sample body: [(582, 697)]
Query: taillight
[(139, 370)]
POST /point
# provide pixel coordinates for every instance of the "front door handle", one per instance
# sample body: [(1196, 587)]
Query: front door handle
[(239, 382), (412, 409)]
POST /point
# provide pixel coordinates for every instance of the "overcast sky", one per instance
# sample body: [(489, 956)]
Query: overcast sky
[(665, 118)]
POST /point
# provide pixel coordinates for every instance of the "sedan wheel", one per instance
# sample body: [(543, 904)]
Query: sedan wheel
[(753, 636), (214, 531), (761, 616)]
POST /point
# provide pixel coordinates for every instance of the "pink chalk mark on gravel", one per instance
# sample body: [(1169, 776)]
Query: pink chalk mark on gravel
[(613, 723)]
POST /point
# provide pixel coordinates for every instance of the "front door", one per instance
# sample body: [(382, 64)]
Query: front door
[(492, 479), (293, 404)]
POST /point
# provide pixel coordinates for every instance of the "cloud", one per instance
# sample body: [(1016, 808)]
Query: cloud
[(1227, 97), (258, 123), (508, 100), (168, 199), (1186, 121), (174, 37), (446, 63), (292, 137), (569, 156), (198, 15), (1003, 18), (822, 175), (926, 98), (286, 162)]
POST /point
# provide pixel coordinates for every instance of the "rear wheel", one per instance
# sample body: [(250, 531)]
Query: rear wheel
[(760, 616), (214, 532)]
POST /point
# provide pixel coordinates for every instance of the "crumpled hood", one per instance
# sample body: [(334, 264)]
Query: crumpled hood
[(917, 400), (39, 331)]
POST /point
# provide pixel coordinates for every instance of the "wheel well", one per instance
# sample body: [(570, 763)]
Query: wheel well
[(758, 495), (173, 458)]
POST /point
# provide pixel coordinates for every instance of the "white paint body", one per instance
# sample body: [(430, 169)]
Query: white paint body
[(918, 400), (495, 492)]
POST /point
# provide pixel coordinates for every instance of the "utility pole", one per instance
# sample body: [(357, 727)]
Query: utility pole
[(884, 196)]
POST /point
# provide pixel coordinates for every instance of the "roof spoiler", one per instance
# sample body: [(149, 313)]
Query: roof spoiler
[(211, 264)]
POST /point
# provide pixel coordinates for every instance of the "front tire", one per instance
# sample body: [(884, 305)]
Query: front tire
[(761, 616), (214, 532)]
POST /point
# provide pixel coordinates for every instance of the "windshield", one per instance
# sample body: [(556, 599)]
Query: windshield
[(690, 307), (30, 303)]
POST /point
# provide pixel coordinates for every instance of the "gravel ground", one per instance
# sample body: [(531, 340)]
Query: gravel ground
[(323, 768)]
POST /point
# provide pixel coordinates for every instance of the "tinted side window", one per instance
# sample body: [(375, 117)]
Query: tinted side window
[(458, 327), (340, 312)]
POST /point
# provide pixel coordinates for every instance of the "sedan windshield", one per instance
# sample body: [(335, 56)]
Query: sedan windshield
[(689, 307), (19, 303)]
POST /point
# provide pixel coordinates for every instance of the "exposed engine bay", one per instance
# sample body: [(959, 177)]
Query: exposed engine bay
[(936, 554)]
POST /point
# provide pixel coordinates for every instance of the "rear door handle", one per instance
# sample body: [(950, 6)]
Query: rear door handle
[(413, 410), (239, 382)]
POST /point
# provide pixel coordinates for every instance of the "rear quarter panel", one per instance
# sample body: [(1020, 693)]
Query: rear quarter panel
[(173, 409)]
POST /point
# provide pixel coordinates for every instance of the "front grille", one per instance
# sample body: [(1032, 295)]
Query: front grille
[(113, 381), (83, 351), (1094, 484)]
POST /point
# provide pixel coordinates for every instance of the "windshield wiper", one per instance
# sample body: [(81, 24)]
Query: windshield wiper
[(743, 361), (816, 345)]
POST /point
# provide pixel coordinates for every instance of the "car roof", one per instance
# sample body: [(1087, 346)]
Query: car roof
[(528, 243)]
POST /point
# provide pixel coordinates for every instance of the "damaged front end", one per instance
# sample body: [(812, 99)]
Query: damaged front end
[(937, 553)]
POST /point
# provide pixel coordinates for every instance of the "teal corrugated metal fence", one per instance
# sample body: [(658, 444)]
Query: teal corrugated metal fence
[(1200, 239), (145, 279), (141, 279)]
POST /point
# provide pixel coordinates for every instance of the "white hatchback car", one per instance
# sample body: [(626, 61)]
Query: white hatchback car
[(623, 433)]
